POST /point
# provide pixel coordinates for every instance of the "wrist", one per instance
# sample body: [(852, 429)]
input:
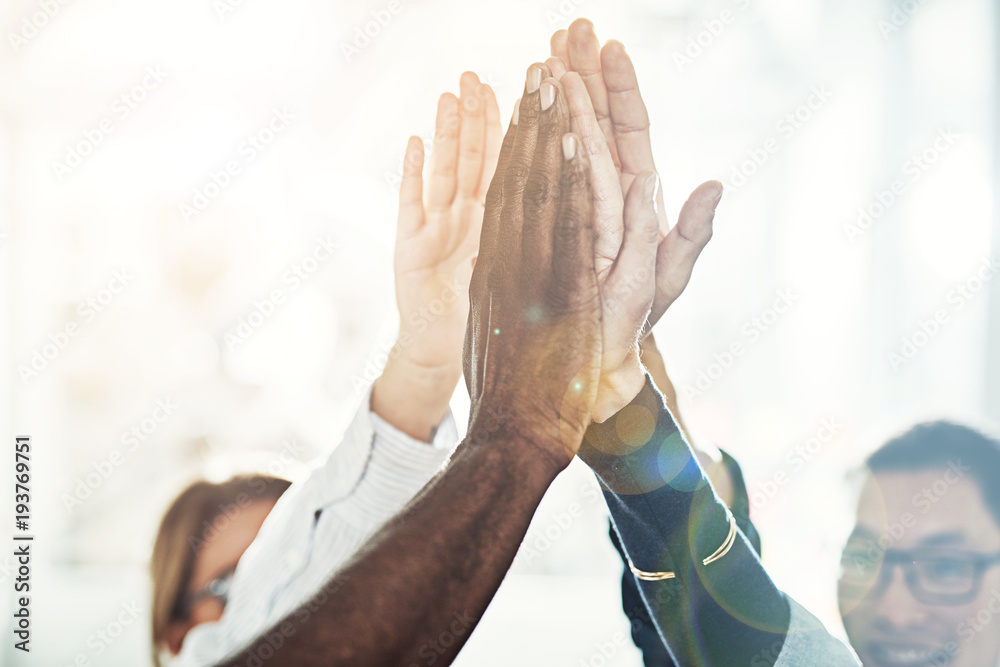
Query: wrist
[(497, 429), (414, 396), (619, 386)]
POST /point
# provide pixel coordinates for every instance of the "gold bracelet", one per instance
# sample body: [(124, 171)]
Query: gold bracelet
[(719, 553)]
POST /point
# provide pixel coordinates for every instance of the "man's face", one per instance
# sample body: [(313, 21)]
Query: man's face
[(933, 525)]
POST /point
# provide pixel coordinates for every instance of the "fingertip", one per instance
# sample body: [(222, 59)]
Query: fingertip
[(556, 66), (447, 103), (616, 61), (581, 25), (718, 190), (447, 114), (468, 80), (710, 191), (613, 45), (558, 41), (492, 107), (414, 154), (487, 92), (537, 72), (472, 103)]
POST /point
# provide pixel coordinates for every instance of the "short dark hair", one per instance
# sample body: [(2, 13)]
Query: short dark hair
[(936, 444)]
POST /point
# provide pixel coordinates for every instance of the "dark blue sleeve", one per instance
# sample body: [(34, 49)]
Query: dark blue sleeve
[(644, 634), (667, 517)]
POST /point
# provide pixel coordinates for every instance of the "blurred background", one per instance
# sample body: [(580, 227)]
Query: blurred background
[(851, 260)]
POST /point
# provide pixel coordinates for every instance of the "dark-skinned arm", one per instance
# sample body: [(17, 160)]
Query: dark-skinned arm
[(420, 584)]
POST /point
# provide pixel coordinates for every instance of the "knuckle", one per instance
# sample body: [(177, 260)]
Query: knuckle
[(516, 173), (472, 150), (540, 191), (573, 179)]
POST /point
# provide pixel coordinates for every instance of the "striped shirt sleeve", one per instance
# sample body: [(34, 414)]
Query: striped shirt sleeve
[(317, 525)]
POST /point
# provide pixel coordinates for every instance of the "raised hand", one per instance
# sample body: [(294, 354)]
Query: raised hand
[(533, 342), (608, 113), (436, 240)]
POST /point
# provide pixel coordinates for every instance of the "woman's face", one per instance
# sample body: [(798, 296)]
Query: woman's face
[(224, 541)]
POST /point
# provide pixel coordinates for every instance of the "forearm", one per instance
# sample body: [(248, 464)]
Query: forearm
[(429, 572), (669, 519), (412, 396)]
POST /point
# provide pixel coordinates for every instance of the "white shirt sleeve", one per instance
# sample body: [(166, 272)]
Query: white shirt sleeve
[(316, 526)]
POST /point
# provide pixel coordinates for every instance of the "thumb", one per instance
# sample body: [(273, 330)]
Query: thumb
[(680, 248)]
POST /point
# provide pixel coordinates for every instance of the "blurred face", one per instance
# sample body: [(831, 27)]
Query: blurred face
[(919, 583), (217, 558)]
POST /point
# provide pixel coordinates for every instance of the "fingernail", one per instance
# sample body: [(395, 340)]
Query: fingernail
[(718, 196), (517, 107), (548, 94), (569, 146), (653, 190), (534, 78)]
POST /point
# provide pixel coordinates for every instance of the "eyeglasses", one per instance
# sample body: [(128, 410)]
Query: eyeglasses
[(934, 577), (218, 588)]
